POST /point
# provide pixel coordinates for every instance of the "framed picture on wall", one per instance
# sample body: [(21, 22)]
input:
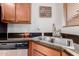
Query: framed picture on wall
[(71, 14), (45, 11)]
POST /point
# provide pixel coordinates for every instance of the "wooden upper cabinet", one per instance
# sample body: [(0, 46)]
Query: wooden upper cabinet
[(16, 13), (8, 12), (23, 12)]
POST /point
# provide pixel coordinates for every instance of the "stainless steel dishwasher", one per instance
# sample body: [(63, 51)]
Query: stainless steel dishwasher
[(14, 45)]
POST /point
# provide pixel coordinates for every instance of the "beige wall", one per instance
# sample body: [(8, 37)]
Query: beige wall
[(45, 24)]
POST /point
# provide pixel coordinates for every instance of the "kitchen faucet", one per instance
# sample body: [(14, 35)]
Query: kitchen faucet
[(42, 35), (56, 33)]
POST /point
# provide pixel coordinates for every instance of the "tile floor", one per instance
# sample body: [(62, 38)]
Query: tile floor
[(17, 52)]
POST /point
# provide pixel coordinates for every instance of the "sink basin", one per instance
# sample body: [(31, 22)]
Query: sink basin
[(45, 38), (68, 43), (64, 42)]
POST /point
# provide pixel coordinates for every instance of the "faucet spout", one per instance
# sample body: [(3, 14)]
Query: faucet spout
[(42, 35)]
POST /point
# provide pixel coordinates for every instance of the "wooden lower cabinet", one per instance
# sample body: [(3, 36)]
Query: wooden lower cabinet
[(36, 49)]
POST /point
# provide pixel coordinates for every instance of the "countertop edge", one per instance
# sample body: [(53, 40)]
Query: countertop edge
[(71, 52)]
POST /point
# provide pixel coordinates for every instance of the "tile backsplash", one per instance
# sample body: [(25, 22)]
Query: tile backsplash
[(20, 35), (75, 38)]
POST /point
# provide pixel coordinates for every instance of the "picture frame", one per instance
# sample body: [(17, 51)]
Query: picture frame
[(45, 11)]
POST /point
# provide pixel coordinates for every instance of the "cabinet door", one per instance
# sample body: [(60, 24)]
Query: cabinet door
[(40, 50), (23, 13), (8, 12)]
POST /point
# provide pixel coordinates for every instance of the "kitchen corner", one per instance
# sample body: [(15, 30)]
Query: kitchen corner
[(39, 29)]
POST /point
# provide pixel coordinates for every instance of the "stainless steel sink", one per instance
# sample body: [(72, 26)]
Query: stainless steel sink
[(68, 43), (42, 38)]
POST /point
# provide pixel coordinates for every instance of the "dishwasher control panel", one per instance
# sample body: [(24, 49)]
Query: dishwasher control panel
[(14, 45)]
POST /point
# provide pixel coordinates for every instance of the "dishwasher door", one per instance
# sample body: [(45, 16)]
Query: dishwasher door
[(14, 45)]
